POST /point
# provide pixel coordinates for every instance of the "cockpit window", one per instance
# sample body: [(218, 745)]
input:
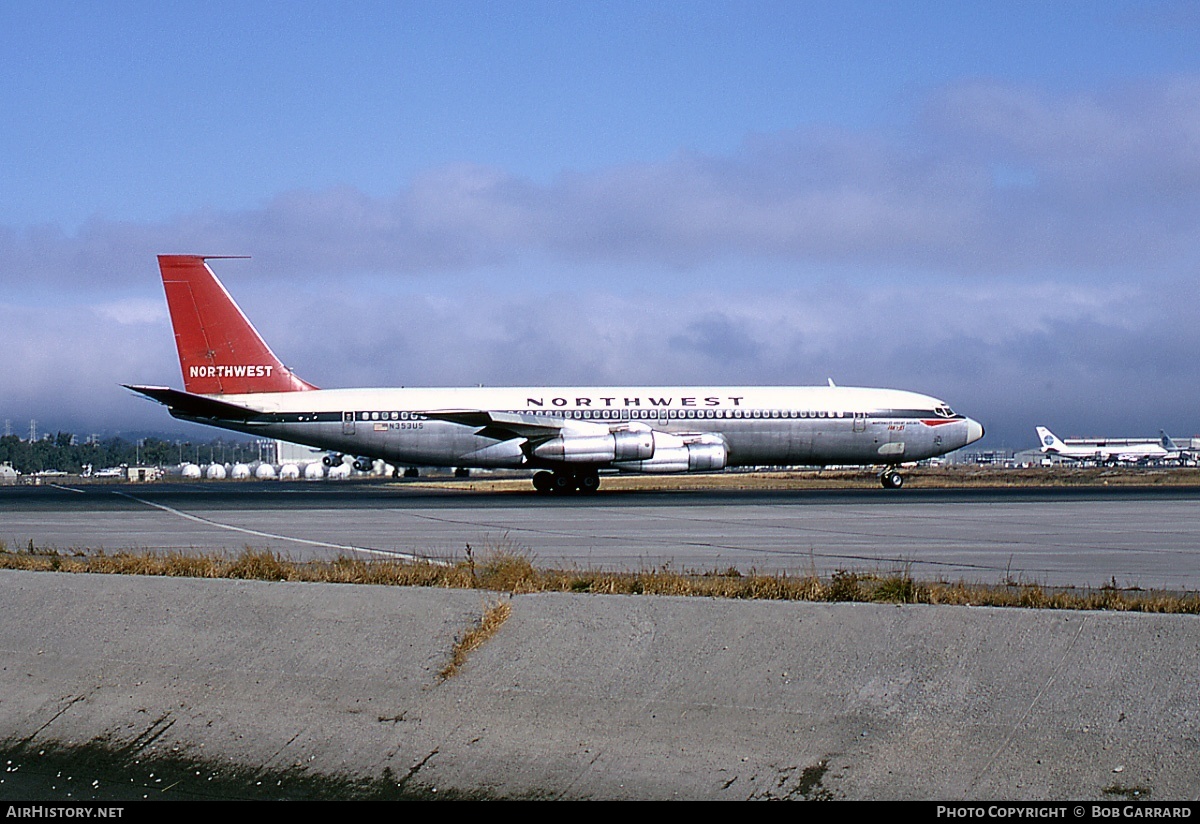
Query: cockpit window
[(944, 411)]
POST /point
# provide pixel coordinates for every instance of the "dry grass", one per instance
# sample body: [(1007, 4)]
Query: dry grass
[(494, 616), (511, 570), (948, 477)]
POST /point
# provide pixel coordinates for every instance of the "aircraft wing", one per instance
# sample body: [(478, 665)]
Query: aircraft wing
[(505, 425)]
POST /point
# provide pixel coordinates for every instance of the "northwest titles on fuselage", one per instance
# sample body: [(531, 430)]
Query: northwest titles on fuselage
[(558, 402)]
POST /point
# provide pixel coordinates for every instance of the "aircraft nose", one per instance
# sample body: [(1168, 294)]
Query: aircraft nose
[(974, 430)]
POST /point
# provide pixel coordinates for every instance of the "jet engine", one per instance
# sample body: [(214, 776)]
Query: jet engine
[(681, 453), (622, 445)]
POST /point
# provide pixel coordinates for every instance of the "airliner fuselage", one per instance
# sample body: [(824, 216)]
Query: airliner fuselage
[(757, 425), (234, 381)]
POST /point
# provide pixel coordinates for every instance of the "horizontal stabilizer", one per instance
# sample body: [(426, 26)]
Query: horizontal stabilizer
[(197, 406)]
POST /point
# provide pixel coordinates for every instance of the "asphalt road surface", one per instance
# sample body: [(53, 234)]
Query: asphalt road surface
[(1148, 537)]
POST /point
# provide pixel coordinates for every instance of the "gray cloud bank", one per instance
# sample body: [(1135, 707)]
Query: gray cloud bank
[(1030, 257)]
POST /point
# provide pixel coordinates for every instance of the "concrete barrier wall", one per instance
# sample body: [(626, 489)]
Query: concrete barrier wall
[(584, 696)]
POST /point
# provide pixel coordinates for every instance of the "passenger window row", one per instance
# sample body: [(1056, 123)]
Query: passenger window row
[(639, 414)]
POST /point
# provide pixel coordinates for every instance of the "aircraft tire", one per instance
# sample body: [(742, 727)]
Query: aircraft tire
[(543, 482), (589, 482), (892, 480), (562, 483)]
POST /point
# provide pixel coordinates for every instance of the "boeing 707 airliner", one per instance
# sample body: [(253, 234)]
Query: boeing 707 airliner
[(566, 435)]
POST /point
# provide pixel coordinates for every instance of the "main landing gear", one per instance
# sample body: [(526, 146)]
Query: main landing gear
[(891, 479), (586, 481)]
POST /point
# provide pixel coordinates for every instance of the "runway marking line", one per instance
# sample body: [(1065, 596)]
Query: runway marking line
[(257, 533)]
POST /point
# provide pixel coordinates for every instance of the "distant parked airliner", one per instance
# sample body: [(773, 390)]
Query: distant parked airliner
[(1109, 451), (233, 380)]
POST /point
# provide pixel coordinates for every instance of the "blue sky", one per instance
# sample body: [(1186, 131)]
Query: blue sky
[(992, 202)]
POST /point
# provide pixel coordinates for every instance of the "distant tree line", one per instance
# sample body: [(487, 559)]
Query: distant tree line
[(62, 452)]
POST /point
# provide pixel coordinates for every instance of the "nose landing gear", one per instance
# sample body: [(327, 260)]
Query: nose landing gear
[(891, 479)]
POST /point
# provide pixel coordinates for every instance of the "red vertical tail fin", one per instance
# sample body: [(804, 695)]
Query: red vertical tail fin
[(220, 351)]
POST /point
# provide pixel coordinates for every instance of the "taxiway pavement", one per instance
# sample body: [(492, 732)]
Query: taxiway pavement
[(1147, 537)]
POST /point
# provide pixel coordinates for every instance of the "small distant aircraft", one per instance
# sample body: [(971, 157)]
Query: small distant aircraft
[(1112, 450)]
